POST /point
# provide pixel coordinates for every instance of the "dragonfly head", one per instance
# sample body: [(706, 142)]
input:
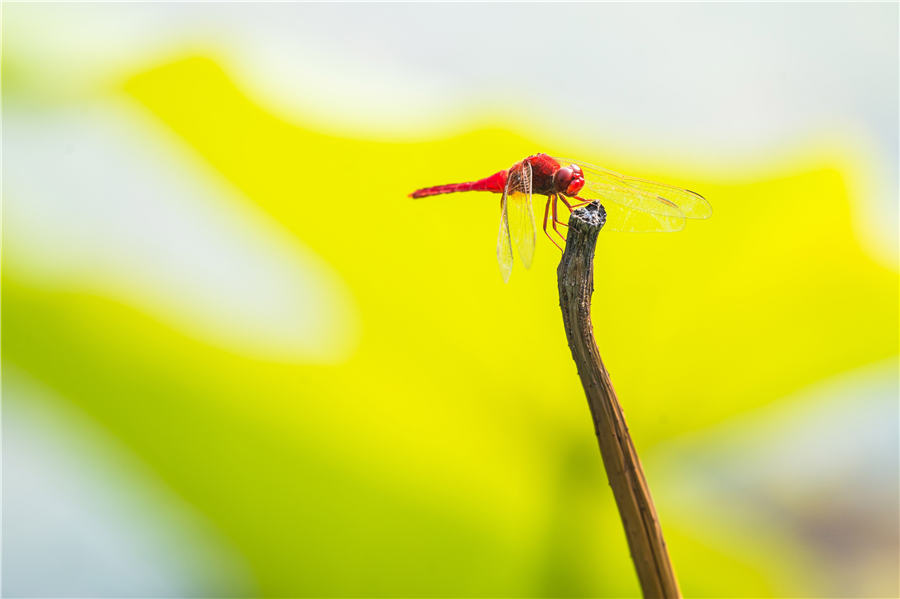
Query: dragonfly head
[(569, 180)]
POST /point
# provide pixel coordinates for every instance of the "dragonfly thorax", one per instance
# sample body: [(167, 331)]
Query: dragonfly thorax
[(549, 177)]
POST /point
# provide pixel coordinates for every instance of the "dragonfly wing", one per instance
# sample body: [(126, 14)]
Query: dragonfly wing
[(622, 219), (504, 245), (520, 212), (640, 194)]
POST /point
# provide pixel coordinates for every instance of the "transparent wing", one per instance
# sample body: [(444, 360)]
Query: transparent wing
[(640, 194), (623, 219), (520, 211), (504, 245), (516, 220)]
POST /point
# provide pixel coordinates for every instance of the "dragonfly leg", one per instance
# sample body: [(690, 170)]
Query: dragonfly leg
[(556, 220), (547, 233), (570, 207), (581, 202)]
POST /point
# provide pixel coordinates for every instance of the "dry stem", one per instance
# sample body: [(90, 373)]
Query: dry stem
[(623, 468)]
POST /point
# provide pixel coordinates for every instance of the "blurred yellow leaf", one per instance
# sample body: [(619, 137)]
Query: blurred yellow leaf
[(452, 453)]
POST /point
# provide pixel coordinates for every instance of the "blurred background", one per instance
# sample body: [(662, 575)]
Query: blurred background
[(239, 361)]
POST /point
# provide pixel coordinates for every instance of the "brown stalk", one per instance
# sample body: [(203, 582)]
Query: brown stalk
[(623, 468)]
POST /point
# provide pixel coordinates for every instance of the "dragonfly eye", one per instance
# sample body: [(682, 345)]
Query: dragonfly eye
[(562, 178), (576, 181)]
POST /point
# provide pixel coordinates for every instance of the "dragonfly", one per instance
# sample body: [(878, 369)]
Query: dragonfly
[(632, 204)]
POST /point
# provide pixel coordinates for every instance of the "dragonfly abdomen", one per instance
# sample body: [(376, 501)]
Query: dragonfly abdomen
[(494, 183)]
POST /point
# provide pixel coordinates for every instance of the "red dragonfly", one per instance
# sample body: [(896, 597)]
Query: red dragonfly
[(632, 204)]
